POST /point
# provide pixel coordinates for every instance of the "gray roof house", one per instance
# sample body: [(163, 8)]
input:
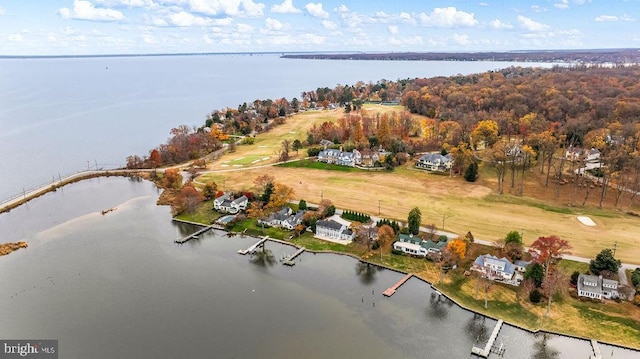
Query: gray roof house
[(494, 268), (596, 287), (226, 203), (435, 162), (333, 230), (277, 218), (293, 220)]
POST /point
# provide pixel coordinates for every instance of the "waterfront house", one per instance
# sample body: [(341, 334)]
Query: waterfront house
[(219, 200), (416, 246), (435, 162), (331, 229), (596, 287), (277, 218), (495, 268), (292, 221), (229, 205)]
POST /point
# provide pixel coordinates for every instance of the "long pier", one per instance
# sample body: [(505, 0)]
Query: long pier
[(484, 352), (596, 350), (194, 235), (289, 260), (391, 291), (253, 247)]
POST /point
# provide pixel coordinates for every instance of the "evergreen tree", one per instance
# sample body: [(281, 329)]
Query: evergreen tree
[(604, 261), (414, 220), (471, 173)]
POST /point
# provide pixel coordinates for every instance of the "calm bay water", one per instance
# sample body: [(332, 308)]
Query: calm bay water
[(59, 116), (116, 286)]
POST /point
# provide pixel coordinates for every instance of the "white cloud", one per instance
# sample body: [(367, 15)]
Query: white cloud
[(341, 8), (285, 8), (537, 8), (531, 25), (316, 10), (563, 4), (462, 40), (406, 17), (483, 4), (447, 17), (226, 7), (604, 18), (627, 17), (252, 9), (186, 19), (330, 25), (499, 25), (84, 10), (393, 29), (125, 3), (273, 24), (226, 21), (15, 38), (244, 28), (2, 11)]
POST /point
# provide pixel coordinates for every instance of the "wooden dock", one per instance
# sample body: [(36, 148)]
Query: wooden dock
[(252, 249), (289, 261), (390, 291), (596, 350), (194, 235), (484, 352)]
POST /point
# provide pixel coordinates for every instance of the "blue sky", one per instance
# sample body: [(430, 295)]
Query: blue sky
[(68, 27)]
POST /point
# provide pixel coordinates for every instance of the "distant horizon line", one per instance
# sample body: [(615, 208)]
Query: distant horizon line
[(251, 53)]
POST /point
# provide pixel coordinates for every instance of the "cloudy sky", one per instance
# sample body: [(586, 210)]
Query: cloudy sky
[(68, 27)]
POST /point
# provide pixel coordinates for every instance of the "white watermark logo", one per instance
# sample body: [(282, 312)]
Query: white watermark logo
[(29, 349)]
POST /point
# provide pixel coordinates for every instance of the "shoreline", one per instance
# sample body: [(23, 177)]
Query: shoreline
[(426, 281)]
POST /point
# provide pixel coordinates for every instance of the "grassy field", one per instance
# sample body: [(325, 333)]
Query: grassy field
[(464, 206)]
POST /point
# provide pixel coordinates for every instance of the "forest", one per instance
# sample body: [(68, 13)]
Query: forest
[(511, 119)]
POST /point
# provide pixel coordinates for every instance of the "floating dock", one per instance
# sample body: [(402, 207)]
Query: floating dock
[(484, 352), (596, 350), (252, 249), (390, 291), (289, 261), (194, 235)]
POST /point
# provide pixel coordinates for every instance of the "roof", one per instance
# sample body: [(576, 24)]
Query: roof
[(409, 238), (435, 158), (483, 259), (408, 245), (329, 224)]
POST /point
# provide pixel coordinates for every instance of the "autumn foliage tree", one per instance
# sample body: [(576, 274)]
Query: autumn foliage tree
[(172, 178), (458, 249), (548, 251)]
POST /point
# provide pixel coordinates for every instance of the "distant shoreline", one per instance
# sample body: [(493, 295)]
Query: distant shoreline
[(605, 56), (617, 56)]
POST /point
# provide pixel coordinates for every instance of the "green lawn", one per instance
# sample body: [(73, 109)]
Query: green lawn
[(247, 160), (308, 163)]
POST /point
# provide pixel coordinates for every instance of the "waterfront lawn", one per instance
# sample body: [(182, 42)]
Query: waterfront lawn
[(308, 163), (203, 214)]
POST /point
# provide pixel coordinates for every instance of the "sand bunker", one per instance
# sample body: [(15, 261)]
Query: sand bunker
[(586, 221)]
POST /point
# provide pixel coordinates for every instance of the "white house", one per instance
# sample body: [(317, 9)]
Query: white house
[(435, 162), (494, 268), (331, 229), (276, 219), (414, 245), (229, 205), (596, 287), (292, 221), (577, 153)]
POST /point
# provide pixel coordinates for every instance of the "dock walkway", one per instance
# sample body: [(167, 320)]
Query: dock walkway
[(596, 350), (194, 235), (488, 348), (289, 260), (252, 249), (390, 291)]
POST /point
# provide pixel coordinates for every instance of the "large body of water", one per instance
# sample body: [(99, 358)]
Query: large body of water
[(116, 286), (59, 116)]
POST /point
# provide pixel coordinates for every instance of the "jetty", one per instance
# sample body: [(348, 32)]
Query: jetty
[(252, 249), (484, 352), (390, 291), (194, 235), (289, 261), (596, 350)]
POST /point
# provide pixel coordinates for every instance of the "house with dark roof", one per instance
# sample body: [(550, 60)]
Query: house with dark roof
[(277, 218), (495, 268), (330, 155), (227, 204), (596, 287), (292, 221), (435, 162), (331, 229)]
